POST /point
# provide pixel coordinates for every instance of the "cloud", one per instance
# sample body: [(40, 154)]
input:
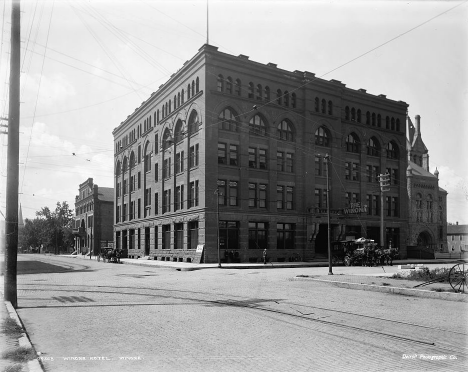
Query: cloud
[(52, 90)]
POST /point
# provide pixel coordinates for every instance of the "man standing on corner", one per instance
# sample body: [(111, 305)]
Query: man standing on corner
[(264, 256)]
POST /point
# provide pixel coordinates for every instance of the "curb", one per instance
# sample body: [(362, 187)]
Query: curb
[(447, 296), (33, 365)]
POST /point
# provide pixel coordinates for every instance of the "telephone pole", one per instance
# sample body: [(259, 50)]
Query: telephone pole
[(11, 220), (384, 187)]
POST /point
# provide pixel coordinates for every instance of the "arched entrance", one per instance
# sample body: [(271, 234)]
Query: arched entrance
[(424, 240), (425, 246)]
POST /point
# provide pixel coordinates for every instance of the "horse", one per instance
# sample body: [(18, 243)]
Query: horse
[(388, 255)]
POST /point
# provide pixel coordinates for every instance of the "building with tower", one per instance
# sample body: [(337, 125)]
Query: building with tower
[(234, 151), (427, 202)]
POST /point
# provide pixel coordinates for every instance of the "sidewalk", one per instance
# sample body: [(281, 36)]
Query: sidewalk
[(184, 266), (10, 342)]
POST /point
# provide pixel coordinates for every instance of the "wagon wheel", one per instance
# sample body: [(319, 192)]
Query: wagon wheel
[(457, 278), (347, 261)]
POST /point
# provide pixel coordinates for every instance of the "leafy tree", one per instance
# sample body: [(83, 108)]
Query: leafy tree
[(53, 229)]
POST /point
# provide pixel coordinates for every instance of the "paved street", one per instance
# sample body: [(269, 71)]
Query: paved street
[(94, 316)]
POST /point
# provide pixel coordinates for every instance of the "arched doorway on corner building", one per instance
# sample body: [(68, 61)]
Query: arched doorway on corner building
[(424, 246)]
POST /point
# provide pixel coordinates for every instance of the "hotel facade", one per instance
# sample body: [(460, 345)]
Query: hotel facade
[(234, 151)]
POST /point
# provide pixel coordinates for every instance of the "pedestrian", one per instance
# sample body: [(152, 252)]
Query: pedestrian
[(264, 256)]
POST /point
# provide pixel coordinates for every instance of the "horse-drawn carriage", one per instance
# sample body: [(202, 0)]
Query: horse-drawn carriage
[(363, 252), (110, 254)]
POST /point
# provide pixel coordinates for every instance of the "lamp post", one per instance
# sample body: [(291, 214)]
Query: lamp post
[(330, 270), (217, 224)]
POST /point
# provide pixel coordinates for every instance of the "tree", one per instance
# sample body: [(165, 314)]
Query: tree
[(57, 226)]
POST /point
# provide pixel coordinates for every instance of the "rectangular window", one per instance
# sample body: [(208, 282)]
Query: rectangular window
[(139, 208), (262, 159), (252, 157), (192, 235), (347, 170), (233, 193), (179, 165), (222, 155), (156, 203), (229, 235), (166, 237), (167, 168), (394, 176), (193, 194), (289, 162), (178, 236), (318, 193), (179, 198), (369, 173), (125, 186), (318, 168), (289, 197), (285, 233), (252, 195), (194, 156), (280, 161), (262, 195), (355, 175), (258, 235), (156, 172), (124, 215), (222, 192), (233, 155), (280, 197), (167, 201)]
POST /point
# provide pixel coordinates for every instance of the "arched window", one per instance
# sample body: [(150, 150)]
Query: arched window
[(393, 124), (170, 109), (441, 214), (157, 116), (293, 100), (193, 123), (379, 120), (352, 143), (193, 88), (353, 114), (322, 137), (285, 131), (220, 85), (167, 140), (147, 164), (317, 104), (257, 126), (373, 119), (324, 106), (429, 205), (418, 201), (397, 125), (330, 108), (183, 96), (387, 122), (197, 87), (178, 132), (373, 147), (251, 90), (267, 93), (368, 118), (359, 115), (228, 120), (347, 113), (229, 85), (286, 98), (259, 92), (392, 151), (178, 99), (238, 87), (175, 102), (188, 91), (279, 97)]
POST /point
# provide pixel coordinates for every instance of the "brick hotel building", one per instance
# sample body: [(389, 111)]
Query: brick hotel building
[(231, 143)]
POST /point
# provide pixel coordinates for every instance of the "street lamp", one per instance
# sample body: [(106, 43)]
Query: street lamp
[(330, 271)]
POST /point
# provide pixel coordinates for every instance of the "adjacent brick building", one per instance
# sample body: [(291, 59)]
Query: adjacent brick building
[(427, 202), (242, 143), (93, 225)]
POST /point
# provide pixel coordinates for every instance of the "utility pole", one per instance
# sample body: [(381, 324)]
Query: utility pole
[(11, 220), (384, 184), (330, 271)]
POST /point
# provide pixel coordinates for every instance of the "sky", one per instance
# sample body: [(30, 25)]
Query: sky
[(87, 65)]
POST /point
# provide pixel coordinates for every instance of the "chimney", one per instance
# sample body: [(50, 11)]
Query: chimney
[(418, 124)]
